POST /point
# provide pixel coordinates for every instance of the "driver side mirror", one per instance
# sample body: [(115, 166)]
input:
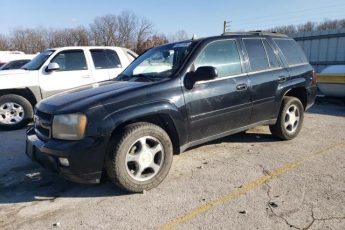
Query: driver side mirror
[(53, 67), (203, 73)]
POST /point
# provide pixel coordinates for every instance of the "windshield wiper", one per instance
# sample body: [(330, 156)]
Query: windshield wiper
[(122, 77), (146, 76)]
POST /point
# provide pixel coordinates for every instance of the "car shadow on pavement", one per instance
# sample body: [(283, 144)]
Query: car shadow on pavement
[(30, 182), (328, 106)]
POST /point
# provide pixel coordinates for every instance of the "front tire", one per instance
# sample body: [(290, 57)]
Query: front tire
[(290, 119), (15, 112), (140, 158)]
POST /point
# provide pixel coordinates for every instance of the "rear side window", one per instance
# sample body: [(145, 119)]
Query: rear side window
[(71, 60), (223, 55), (272, 57), (292, 51), (105, 59), (256, 54)]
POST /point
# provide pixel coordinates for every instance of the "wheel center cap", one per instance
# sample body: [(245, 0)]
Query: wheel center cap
[(145, 159)]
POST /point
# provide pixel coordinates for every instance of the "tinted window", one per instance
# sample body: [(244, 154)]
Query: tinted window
[(71, 60), (222, 55), (256, 53), (272, 57), (105, 59), (292, 51), (14, 64)]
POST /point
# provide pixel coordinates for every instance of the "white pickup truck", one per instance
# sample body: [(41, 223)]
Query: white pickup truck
[(54, 71)]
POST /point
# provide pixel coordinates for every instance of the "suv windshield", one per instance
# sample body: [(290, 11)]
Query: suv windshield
[(158, 63), (38, 61)]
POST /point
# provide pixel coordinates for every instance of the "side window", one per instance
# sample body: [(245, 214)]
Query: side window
[(105, 59), (272, 57), (256, 53), (223, 55), (71, 60), (292, 51)]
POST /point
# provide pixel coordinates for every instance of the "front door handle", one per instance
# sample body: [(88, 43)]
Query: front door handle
[(282, 79), (241, 87)]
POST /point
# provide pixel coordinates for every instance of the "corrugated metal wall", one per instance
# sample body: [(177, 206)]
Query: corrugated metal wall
[(323, 48)]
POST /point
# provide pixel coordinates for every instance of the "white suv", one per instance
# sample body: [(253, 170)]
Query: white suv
[(54, 71)]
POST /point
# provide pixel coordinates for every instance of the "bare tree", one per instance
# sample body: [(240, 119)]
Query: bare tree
[(328, 25), (180, 35), (78, 36), (306, 27), (4, 43), (104, 30), (143, 31), (127, 27), (290, 29), (28, 40), (155, 40)]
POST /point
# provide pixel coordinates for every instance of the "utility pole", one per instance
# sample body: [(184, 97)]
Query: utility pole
[(226, 26)]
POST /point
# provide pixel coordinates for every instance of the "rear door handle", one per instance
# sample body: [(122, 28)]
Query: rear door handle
[(241, 87), (282, 79)]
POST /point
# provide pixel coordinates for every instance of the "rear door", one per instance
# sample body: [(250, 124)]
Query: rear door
[(73, 72), (217, 106), (107, 64), (265, 74)]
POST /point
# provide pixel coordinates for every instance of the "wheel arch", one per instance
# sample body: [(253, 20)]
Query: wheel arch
[(298, 92), (27, 93), (163, 115)]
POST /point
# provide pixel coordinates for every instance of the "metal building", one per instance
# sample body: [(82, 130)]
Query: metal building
[(323, 48)]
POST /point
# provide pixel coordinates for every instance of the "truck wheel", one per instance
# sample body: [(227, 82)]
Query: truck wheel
[(15, 111), (140, 158), (290, 119)]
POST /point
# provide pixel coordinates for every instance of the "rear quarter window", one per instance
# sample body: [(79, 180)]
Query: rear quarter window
[(292, 52)]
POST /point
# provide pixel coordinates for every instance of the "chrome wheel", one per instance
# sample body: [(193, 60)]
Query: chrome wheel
[(144, 158), (11, 113), (292, 117)]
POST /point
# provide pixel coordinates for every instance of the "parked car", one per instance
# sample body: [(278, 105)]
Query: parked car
[(54, 71), (331, 81), (7, 56), (17, 64), (169, 99)]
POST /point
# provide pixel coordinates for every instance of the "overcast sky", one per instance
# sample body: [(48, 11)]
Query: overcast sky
[(195, 16)]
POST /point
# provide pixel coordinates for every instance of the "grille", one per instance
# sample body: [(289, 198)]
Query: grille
[(43, 122)]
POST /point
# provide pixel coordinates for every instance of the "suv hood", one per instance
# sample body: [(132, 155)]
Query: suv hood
[(84, 97)]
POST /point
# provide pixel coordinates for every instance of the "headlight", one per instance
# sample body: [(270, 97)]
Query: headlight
[(69, 126)]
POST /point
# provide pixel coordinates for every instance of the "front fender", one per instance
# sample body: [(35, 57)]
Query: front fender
[(137, 111)]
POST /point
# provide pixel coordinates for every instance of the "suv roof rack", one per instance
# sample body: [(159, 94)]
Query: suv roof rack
[(257, 32)]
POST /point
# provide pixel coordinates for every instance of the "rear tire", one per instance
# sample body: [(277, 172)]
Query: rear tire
[(290, 119), (140, 158), (15, 112)]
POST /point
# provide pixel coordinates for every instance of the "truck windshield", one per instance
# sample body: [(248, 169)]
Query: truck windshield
[(38, 61), (157, 63)]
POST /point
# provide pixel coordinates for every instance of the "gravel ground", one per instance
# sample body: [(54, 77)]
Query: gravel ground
[(244, 181)]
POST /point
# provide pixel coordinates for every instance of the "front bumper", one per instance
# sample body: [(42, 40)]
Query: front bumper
[(86, 157)]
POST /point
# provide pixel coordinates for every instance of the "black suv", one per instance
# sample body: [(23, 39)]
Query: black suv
[(169, 99)]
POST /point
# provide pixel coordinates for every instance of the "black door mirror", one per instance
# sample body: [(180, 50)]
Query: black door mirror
[(203, 73)]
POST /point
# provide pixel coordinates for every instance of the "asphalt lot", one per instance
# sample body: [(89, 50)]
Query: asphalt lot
[(245, 181)]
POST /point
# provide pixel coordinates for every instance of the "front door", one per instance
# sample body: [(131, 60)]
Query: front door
[(73, 72), (217, 106)]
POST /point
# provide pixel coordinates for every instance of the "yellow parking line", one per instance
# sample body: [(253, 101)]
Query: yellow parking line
[(243, 190)]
